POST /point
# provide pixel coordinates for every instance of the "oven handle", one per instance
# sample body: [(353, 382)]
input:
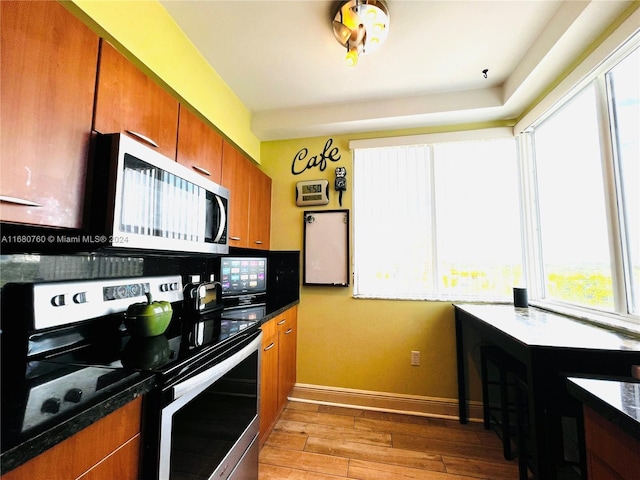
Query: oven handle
[(196, 384)]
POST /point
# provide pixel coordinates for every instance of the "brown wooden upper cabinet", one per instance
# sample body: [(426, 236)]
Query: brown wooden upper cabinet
[(235, 176), (199, 146), (129, 101), (48, 75), (259, 210), (250, 202)]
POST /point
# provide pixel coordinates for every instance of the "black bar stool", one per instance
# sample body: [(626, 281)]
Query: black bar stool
[(500, 413)]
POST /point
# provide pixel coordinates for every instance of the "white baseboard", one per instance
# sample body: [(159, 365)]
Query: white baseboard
[(384, 402)]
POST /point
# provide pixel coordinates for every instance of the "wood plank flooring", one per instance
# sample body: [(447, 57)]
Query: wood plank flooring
[(317, 442)]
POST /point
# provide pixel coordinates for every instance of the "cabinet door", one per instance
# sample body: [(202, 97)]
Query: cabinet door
[(612, 454), (287, 353), (236, 170), (259, 210), (129, 101), (48, 73), (77, 455), (268, 384), (199, 146)]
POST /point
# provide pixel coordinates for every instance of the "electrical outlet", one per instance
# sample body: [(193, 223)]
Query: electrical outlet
[(415, 358)]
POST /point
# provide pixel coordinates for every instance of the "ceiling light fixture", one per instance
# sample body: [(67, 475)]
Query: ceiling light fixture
[(361, 26)]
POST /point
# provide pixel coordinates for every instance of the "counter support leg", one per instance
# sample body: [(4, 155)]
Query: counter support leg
[(462, 391)]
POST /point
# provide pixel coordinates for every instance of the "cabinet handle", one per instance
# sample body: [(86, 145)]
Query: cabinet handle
[(237, 239), (288, 331), (201, 170), (258, 242), (18, 201), (143, 138), (282, 321), (270, 346)]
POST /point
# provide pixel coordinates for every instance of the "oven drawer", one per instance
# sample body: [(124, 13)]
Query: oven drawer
[(241, 460), (247, 468)]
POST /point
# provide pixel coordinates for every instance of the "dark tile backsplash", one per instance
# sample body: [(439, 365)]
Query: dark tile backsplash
[(283, 267), (45, 268)]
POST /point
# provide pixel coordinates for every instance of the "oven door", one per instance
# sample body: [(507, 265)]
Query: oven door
[(210, 428)]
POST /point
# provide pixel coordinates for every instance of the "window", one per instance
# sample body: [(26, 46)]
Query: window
[(437, 221), (573, 221), (449, 220), (584, 179), (624, 99)]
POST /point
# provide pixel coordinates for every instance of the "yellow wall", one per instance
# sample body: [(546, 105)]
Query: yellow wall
[(145, 33), (357, 343)]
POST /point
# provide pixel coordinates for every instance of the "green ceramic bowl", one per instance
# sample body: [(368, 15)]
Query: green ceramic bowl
[(148, 319)]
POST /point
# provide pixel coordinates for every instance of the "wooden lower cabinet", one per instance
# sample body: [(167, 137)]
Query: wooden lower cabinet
[(278, 368), (108, 448), (611, 453), (287, 354), (268, 384)]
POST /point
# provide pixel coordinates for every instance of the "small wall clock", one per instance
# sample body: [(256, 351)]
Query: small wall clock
[(312, 192)]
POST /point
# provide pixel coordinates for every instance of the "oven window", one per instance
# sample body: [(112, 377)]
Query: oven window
[(206, 429)]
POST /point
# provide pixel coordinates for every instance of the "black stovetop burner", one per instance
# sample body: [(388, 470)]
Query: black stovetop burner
[(187, 343)]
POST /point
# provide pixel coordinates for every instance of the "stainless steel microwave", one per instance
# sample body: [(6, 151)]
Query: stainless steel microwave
[(144, 200)]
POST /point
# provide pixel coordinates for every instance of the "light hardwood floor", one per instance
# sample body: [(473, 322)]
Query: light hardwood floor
[(316, 442)]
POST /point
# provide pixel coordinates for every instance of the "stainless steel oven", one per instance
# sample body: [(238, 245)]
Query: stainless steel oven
[(209, 424)]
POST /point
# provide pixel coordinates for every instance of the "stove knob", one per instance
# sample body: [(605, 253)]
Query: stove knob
[(74, 395), (51, 405)]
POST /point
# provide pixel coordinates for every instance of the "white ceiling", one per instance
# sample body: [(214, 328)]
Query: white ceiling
[(283, 62)]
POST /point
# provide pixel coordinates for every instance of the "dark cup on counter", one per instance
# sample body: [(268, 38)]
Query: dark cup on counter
[(520, 297)]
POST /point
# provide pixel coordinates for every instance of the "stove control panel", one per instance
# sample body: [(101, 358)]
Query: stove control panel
[(57, 304), (60, 395)]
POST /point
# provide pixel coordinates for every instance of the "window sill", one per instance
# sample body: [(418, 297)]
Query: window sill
[(627, 325)]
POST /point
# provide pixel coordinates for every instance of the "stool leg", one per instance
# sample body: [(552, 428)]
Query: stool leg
[(504, 415), (485, 389), (521, 435)]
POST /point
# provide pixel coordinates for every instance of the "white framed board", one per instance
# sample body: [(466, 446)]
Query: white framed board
[(326, 248)]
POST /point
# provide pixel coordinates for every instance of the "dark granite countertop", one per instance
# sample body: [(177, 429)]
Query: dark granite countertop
[(22, 442), (617, 401)]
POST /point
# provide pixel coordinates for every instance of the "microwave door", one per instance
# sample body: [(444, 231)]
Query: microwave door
[(152, 202)]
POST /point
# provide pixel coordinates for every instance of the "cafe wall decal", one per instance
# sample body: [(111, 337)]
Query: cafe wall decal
[(301, 162)]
